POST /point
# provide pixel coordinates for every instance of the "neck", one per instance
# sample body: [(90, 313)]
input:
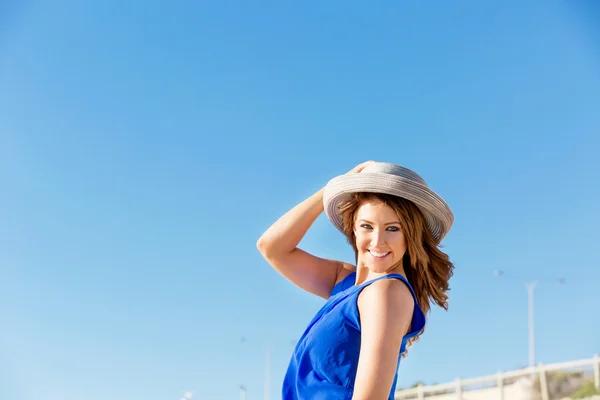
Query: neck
[(364, 274)]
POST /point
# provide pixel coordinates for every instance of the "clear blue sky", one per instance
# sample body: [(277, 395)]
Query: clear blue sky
[(145, 147)]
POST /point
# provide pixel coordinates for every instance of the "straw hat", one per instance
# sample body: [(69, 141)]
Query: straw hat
[(394, 180)]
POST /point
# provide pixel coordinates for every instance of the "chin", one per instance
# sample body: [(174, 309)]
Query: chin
[(380, 268)]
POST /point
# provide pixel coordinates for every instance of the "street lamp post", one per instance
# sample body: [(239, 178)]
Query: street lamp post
[(267, 382), (530, 289), (268, 373), (530, 311)]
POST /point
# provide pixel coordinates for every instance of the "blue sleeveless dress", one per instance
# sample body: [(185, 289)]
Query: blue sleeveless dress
[(324, 363)]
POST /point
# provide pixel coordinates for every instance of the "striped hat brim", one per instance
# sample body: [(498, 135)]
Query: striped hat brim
[(437, 213)]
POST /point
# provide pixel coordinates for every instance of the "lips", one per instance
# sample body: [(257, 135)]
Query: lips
[(378, 255)]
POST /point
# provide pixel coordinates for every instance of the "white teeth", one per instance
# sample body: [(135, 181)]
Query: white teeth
[(376, 254)]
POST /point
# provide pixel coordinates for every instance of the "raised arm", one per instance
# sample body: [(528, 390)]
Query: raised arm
[(279, 246)]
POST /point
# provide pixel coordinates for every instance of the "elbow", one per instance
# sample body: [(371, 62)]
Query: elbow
[(270, 249), (263, 246)]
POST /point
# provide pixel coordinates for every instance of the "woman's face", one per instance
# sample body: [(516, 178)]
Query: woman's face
[(379, 237)]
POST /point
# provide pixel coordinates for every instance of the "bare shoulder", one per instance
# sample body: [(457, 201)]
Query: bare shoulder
[(388, 301), (385, 308)]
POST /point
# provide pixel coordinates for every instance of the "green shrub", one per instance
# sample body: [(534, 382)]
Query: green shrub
[(587, 390)]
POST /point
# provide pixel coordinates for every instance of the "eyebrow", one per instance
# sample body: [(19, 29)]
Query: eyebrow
[(388, 223)]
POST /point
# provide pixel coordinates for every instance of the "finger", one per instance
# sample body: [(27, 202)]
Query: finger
[(365, 164)]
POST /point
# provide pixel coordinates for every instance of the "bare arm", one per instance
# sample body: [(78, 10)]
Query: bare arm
[(279, 246), (385, 308)]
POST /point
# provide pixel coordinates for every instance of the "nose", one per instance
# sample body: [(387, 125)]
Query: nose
[(377, 238)]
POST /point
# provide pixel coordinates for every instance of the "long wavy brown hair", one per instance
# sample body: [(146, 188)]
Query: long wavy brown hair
[(427, 268)]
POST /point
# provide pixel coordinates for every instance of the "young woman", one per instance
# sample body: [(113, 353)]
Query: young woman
[(374, 309)]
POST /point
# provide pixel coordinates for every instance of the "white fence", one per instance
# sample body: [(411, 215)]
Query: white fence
[(495, 386)]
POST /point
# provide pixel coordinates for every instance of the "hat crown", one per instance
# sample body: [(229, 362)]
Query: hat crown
[(393, 169), (394, 180)]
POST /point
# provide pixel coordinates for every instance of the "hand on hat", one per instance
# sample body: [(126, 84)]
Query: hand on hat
[(360, 167)]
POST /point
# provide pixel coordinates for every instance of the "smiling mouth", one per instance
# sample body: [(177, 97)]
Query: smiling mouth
[(378, 255)]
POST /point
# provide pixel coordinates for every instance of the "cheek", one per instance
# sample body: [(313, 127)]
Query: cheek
[(361, 242), (399, 244)]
